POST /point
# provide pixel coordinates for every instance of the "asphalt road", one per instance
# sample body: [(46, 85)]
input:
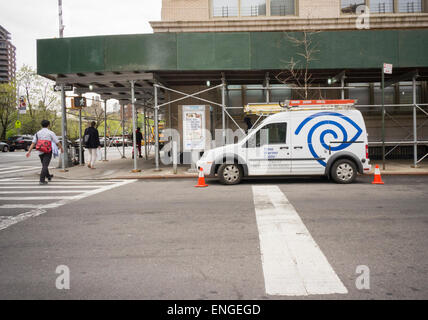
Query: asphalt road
[(169, 240)]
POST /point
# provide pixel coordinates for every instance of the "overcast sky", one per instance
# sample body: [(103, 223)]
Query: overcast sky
[(28, 20)]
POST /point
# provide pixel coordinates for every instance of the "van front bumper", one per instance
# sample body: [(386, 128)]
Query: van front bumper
[(206, 166)]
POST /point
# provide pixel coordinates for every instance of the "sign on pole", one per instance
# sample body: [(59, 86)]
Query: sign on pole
[(18, 124), (78, 102), (194, 128), (67, 87), (387, 68), (22, 108)]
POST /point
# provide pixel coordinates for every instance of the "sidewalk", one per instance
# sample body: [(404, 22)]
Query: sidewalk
[(122, 169)]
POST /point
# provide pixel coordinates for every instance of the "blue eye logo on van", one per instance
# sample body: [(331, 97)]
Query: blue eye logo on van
[(345, 143)]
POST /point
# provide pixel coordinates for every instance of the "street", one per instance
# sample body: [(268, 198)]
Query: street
[(150, 239)]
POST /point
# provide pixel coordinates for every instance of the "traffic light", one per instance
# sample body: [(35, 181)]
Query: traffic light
[(78, 102)]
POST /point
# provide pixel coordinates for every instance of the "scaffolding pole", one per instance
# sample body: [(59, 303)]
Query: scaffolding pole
[(383, 118), (80, 138), (105, 130), (156, 128), (415, 126), (145, 133), (134, 124), (123, 131), (223, 110)]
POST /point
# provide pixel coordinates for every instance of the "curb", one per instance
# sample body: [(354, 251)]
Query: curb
[(179, 177), (175, 177)]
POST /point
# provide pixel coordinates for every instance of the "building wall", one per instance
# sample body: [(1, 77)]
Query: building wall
[(180, 10), (196, 16), (7, 57)]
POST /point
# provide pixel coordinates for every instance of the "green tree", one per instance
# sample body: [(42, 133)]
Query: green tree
[(8, 108)]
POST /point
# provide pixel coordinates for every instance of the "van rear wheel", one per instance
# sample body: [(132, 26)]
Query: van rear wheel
[(344, 171), (230, 174)]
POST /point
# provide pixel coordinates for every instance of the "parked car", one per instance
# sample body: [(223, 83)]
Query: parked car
[(102, 141), (20, 142), (4, 147), (322, 137), (118, 141)]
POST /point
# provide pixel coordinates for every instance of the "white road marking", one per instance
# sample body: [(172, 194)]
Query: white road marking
[(36, 198), (20, 170), (56, 183), (37, 186), (8, 168), (41, 191), (293, 264), (30, 206), (39, 209), (23, 216)]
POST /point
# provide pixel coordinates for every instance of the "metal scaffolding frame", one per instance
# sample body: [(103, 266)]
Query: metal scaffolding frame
[(341, 77), (195, 96), (136, 87)]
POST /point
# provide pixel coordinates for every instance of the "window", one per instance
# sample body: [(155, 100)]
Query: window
[(409, 6), (389, 94), (360, 93), (274, 133), (225, 8), (280, 95), (253, 7), (350, 6), (406, 93), (282, 7), (254, 93), (381, 6)]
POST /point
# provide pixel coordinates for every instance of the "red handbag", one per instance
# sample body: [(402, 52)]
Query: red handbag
[(44, 146)]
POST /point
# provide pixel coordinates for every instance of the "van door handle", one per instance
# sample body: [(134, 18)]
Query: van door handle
[(298, 147), (282, 148)]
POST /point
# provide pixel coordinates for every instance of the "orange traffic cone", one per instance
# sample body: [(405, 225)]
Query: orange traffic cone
[(377, 177), (201, 180)]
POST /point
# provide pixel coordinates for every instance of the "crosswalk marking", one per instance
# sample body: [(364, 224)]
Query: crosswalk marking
[(41, 191), (36, 186), (30, 206), (36, 198), (57, 183), (18, 169), (293, 264), (81, 188)]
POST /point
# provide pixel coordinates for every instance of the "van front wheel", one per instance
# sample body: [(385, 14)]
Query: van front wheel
[(344, 171), (230, 173)]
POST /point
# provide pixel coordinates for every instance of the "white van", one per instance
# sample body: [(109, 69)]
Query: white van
[(310, 137)]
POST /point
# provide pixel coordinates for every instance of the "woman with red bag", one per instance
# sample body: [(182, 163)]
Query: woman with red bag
[(43, 140)]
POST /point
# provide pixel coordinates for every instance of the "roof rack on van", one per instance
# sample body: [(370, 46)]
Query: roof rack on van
[(266, 109)]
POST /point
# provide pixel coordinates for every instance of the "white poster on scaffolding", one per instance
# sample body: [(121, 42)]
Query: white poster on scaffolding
[(193, 128)]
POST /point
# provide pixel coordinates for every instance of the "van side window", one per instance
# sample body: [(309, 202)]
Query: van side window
[(274, 133)]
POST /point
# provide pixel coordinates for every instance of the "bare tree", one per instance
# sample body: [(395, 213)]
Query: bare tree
[(297, 70), (95, 112)]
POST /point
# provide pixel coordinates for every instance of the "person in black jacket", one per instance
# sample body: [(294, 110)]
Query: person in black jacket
[(92, 142), (139, 138)]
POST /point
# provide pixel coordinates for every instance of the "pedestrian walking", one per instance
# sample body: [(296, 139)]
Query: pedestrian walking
[(92, 143), (139, 138), (45, 141)]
